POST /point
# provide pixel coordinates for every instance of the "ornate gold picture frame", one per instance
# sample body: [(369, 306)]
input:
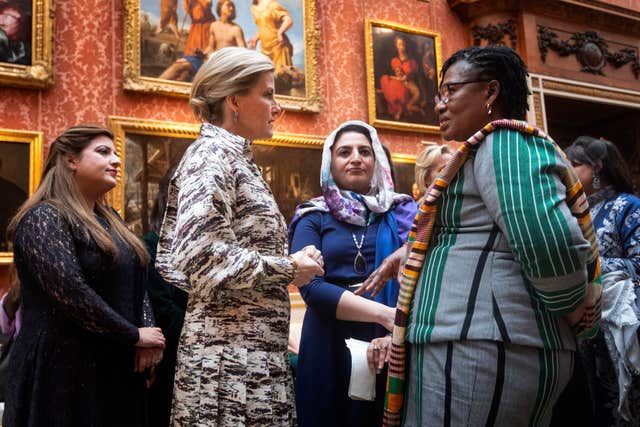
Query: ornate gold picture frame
[(20, 169), (403, 65), (148, 149), (404, 172), (163, 47), (26, 59)]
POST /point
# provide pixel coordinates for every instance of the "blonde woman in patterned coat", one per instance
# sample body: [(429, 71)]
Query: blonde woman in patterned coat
[(223, 241)]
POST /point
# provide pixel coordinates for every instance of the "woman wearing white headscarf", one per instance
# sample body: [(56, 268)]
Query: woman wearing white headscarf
[(356, 223)]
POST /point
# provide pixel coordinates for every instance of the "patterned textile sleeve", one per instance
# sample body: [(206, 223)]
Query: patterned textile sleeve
[(43, 246), (627, 222), (520, 180), (198, 241)]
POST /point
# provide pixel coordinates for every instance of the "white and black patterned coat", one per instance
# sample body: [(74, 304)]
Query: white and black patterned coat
[(223, 240)]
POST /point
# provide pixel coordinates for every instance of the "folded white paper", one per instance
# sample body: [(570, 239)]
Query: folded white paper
[(362, 384)]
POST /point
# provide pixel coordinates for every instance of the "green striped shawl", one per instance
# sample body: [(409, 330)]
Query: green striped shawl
[(583, 320)]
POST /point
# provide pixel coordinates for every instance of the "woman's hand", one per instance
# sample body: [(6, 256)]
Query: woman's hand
[(253, 42), (308, 263), (378, 353), (387, 270), (12, 301), (314, 254), (150, 337), (146, 358)]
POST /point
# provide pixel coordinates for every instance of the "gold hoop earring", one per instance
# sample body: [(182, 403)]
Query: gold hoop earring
[(489, 110)]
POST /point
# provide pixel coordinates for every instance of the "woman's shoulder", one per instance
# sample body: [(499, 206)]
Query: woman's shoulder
[(314, 216), (41, 219), (308, 219), (513, 134), (630, 198), (203, 151), (204, 157), (507, 141), (627, 202), (43, 211), (406, 207)]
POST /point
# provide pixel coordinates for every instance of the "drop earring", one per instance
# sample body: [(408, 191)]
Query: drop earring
[(235, 117), (595, 182), (489, 110)]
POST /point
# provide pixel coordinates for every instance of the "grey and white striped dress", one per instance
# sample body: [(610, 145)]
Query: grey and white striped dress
[(223, 240), (489, 344)]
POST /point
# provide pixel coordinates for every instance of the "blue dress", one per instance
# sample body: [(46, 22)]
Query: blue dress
[(616, 221), (324, 362)]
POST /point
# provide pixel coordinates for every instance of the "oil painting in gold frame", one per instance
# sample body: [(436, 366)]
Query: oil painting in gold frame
[(404, 172), (20, 168), (164, 46), (26, 43), (148, 149), (402, 65)]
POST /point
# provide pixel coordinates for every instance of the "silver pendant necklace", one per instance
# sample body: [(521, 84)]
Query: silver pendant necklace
[(359, 263)]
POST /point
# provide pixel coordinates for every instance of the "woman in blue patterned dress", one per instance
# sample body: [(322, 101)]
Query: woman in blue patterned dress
[(613, 379)]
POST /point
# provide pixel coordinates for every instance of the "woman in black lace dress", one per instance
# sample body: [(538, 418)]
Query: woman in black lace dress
[(86, 339)]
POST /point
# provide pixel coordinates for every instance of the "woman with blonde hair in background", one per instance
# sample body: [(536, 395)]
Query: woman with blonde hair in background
[(224, 241), (85, 337), (429, 162)]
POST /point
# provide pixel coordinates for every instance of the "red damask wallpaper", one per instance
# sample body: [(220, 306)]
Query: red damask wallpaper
[(88, 58), (88, 61), (88, 69)]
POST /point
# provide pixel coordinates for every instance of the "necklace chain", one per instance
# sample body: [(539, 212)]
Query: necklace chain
[(359, 263), (355, 241)]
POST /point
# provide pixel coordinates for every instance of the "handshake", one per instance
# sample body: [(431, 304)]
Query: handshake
[(307, 263)]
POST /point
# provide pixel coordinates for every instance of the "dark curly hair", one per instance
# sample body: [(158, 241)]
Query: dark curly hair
[(504, 65)]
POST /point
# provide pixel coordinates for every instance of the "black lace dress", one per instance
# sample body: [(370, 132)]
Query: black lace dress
[(72, 362)]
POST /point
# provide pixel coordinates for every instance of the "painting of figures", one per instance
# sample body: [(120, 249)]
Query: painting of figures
[(15, 31), (402, 76), (26, 43), (177, 36)]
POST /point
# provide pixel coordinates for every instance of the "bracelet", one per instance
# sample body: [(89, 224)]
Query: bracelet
[(294, 264)]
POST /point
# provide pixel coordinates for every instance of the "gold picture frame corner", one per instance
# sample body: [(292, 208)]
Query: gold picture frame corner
[(35, 140), (38, 75), (120, 126)]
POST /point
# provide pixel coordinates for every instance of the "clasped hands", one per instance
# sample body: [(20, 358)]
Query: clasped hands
[(309, 263), (149, 349)]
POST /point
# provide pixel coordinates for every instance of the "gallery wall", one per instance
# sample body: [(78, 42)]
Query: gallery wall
[(88, 55), (88, 61)]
